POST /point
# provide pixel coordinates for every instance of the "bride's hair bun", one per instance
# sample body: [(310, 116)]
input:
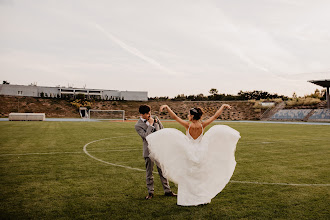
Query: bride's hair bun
[(197, 113)]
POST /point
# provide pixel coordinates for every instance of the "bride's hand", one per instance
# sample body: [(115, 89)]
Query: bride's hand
[(226, 106), (162, 107)]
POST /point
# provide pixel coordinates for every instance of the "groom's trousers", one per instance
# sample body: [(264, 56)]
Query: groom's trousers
[(150, 176)]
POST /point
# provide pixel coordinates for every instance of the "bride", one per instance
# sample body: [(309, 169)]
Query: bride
[(201, 165)]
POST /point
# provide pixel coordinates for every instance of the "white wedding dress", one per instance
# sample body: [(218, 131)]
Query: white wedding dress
[(200, 167)]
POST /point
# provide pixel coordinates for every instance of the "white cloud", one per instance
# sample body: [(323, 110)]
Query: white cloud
[(168, 47)]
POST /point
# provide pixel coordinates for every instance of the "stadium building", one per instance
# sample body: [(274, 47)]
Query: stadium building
[(58, 92)]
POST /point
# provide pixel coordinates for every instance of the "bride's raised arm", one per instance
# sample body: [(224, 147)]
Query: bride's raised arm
[(216, 115), (174, 116)]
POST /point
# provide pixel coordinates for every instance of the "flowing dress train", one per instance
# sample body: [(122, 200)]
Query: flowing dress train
[(200, 167)]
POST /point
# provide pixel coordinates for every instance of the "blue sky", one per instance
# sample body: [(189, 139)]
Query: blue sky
[(167, 47)]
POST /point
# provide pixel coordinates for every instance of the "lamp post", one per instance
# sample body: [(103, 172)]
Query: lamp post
[(18, 97)]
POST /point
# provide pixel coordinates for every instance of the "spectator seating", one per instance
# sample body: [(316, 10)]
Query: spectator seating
[(320, 115), (291, 114)]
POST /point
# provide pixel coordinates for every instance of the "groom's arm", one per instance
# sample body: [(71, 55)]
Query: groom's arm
[(160, 124), (142, 132), (157, 124)]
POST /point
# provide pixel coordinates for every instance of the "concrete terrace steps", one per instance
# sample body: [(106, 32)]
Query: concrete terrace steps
[(309, 115), (271, 111)]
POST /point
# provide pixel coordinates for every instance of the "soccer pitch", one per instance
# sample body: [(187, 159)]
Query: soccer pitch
[(282, 172)]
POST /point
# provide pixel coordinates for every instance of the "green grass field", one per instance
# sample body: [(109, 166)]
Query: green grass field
[(45, 174)]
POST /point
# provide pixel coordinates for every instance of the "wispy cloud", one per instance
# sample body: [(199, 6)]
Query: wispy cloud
[(134, 51)]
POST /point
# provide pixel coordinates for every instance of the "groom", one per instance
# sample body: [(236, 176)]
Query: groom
[(145, 126)]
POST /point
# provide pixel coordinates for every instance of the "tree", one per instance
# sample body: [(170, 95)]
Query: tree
[(200, 97), (213, 91), (294, 95), (257, 95), (317, 94), (180, 97)]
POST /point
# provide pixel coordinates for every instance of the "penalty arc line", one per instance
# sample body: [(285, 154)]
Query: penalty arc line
[(231, 181), (102, 161)]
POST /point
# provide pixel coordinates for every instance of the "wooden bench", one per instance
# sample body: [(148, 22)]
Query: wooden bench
[(27, 116)]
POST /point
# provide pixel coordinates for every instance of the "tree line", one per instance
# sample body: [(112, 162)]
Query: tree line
[(216, 96)]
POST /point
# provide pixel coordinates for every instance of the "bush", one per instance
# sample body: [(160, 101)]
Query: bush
[(81, 103), (303, 101)]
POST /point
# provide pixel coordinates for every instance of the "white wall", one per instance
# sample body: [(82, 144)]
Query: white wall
[(134, 96), (18, 90), (50, 91), (34, 91), (107, 94)]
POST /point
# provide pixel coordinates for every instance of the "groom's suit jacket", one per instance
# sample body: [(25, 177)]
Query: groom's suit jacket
[(144, 130)]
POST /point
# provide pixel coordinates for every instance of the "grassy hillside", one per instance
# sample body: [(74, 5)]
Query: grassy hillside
[(57, 108)]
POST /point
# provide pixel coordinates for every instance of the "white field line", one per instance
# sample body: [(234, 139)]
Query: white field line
[(102, 161), (232, 181), (281, 141), (137, 169), (52, 153), (283, 184)]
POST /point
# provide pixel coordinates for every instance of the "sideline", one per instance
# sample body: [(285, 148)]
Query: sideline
[(231, 181), (169, 120), (260, 122)]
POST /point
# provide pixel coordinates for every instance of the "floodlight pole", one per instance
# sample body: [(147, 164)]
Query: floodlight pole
[(328, 98)]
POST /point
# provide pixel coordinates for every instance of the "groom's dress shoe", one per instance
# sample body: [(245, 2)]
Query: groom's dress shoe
[(150, 196), (170, 194)]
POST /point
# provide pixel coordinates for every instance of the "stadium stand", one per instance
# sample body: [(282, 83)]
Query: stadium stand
[(291, 114), (320, 115)]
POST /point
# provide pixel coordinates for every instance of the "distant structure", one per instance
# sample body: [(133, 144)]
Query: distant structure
[(326, 84), (58, 92)]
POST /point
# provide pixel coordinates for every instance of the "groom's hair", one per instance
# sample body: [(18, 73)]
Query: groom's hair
[(144, 109)]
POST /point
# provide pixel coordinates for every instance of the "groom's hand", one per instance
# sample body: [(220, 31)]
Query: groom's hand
[(151, 121), (155, 119)]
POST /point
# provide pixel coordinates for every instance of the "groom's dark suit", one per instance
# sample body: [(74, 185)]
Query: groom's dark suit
[(144, 130)]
